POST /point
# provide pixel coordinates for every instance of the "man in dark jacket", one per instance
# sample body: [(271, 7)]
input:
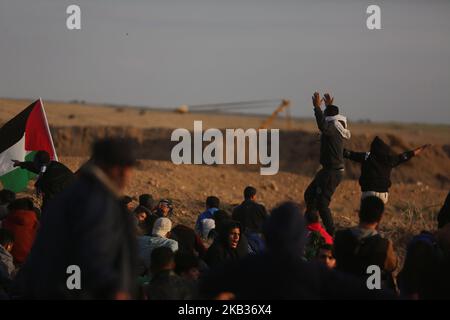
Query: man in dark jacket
[(53, 176), (280, 272), (376, 167), (333, 127), (252, 217), (249, 213), (87, 227)]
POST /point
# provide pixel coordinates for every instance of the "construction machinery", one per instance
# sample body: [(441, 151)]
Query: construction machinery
[(284, 105)]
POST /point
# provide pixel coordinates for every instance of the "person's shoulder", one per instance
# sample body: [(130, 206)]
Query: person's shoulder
[(171, 243), (343, 232), (205, 214), (58, 165), (261, 206)]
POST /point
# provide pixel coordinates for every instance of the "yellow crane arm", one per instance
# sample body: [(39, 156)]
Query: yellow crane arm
[(284, 104)]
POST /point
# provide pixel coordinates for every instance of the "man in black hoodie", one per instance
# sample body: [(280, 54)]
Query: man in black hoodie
[(333, 127), (376, 167), (53, 176)]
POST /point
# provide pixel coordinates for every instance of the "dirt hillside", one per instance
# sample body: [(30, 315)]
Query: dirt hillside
[(419, 186)]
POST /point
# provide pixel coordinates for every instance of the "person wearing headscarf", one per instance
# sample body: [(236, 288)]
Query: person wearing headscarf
[(333, 131)]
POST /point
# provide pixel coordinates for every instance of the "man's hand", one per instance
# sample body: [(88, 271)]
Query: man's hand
[(16, 163), (420, 149), (316, 100), (328, 99)]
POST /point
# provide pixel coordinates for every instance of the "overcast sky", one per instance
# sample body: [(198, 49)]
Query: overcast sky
[(171, 52)]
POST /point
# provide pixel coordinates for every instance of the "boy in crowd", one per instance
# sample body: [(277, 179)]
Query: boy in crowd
[(376, 167), (361, 246)]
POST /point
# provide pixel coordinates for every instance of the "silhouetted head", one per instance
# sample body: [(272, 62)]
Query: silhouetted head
[(331, 111), (110, 152), (41, 158), (285, 230), (116, 157), (162, 258), (249, 193), (146, 200), (212, 202), (187, 265), (371, 210)]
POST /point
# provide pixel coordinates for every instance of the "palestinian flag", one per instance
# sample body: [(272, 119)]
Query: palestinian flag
[(20, 138)]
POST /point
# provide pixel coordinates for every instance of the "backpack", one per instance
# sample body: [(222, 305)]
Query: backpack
[(355, 255)]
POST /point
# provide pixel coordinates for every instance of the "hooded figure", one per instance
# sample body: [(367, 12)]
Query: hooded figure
[(280, 272), (376, 167), (229, 245), (53, 176)]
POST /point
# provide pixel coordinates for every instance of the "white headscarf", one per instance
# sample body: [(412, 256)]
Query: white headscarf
[(345, 133)]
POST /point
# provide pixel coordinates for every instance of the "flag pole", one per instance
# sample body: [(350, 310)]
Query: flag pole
[(48, 129)]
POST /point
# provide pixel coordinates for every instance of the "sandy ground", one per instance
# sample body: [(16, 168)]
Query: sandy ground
[(418, 192)]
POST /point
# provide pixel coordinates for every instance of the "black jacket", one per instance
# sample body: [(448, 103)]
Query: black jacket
[(85, 225), (376, 165), (270, 276), (55, 178), (331, 143), (250, 215)]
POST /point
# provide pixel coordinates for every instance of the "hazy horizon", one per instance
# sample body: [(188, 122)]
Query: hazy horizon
[(167, 53)]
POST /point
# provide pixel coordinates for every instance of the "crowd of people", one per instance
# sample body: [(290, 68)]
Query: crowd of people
[(126, 251)]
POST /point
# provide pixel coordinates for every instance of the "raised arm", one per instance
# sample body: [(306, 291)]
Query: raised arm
[(356, 156), (405, 156), (28, 165), (318, 113)]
